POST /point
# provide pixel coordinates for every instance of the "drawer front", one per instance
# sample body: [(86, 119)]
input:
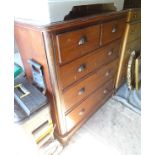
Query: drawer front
[(134, 15), (77, 69), (80, 91), (112, 30), (88, 106), (134, 31), (74, 44)]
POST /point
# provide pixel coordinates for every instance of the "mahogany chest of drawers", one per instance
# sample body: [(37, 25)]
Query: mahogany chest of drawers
[(79, 59)]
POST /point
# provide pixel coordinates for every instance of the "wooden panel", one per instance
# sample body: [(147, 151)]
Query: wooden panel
[(31, 46), (74, 44), (134, 31), (87, 106), (112, 30), (80, 91), (77, 69)]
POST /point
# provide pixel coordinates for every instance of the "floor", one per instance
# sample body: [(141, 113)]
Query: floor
[(113, 130), (130, 98)]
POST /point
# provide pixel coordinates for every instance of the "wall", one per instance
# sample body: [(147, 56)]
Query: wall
[(46, 11)]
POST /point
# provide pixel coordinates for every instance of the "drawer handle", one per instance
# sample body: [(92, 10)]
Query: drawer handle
[(81, 68), (105, 91), (107, 73), (82, 111), (110, 52), (114, 29), (82, 40), (81, 91)]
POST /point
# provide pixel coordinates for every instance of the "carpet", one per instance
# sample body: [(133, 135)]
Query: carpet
[(130, 98), (113, 130)]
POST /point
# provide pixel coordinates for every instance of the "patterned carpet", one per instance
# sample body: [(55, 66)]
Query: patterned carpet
[(113, 130)]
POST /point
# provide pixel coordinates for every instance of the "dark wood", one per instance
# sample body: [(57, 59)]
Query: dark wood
[(65, 26), (91, 9), (74, 55), (71, 72), (132, 4), (82, 110), (81, 90), (31, 46), (74, 44), (112, 30)]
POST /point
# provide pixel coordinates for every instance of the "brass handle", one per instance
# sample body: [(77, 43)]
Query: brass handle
[(81, 91), (82, 111), (107, 73), (105, 91), (110, 52), (114, 29), (82, 68), (82, 40)]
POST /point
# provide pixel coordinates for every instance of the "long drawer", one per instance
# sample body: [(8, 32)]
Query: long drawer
[(112, 30), (81, 90), (74, 44), (77, 69), (89, 105)]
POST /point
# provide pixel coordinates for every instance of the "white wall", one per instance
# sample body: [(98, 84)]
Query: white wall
[(46, 11)]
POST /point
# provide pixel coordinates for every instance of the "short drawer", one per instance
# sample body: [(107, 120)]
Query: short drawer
[(78, 92), (74, 44), (112, 30), (134, 15), (77, 69), (87, 107), (134, 31)]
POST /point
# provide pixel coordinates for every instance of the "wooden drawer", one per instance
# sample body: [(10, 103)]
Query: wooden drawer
[(112, 30), (77, 69), (89, 105), (81, 90), (134, 31), (134, 15), (74, 44)]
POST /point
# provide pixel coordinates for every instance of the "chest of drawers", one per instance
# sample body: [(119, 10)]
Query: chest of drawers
[(79, 59), (131, 41)]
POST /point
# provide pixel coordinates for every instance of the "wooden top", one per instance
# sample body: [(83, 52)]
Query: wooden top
[(72, 23)]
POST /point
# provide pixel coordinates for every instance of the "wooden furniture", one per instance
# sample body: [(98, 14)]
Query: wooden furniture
[(131, 41), (79, 59)]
